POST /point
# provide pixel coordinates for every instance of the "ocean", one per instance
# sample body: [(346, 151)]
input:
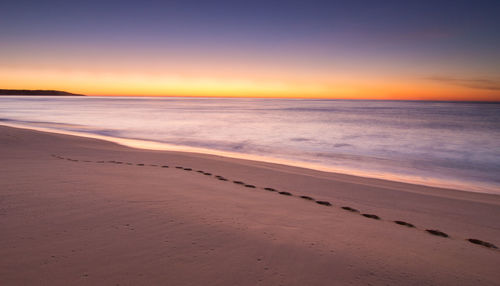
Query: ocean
[(447, 144)]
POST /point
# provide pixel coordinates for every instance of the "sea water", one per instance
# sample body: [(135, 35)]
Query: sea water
[(450, 144)]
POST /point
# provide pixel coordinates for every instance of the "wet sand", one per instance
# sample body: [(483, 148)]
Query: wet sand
[(79, 211)]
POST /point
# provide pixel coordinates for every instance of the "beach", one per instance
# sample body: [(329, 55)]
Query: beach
[(81, 211), (440, 144)]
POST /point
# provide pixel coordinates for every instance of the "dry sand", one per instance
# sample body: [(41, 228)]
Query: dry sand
[(66, 222)]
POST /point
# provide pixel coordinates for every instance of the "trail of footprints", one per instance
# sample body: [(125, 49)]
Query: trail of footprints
[(307, 198)]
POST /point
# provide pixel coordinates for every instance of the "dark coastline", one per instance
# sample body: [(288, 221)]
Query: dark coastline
[(37, 92)]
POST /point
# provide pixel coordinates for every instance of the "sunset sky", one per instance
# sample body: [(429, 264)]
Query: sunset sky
[(439, 50)]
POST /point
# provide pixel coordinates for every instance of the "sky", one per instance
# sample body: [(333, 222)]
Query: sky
[(403, 50)]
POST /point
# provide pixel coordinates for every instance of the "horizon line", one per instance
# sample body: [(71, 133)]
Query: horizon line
[(295, 97)]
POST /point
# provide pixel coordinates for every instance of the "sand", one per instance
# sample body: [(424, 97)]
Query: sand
[(79, 211)]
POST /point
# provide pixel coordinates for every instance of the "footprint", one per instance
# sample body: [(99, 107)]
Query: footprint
[(238, 182), (200, 171), (179, 167), (250, 186), (140, 164), (270, 189), (483, 243), (324, 203), (164, 166), (188, 169), (307, 198), (222, 179), (404, 223), (207, 174), (285, 193), (437, 232), (350, 209), (153, 165), (371, 216)]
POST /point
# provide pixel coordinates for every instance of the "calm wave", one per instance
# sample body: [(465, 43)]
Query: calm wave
[(450, 142)]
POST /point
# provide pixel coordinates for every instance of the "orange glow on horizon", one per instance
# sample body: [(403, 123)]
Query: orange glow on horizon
[(334, 87)]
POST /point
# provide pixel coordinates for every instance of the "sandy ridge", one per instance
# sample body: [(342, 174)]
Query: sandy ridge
[(435, 232)]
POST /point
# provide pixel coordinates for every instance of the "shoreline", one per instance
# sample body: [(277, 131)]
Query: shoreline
[(159, 146), (88, 211)]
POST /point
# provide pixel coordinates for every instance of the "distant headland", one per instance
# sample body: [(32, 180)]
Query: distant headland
[(37, 92)]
